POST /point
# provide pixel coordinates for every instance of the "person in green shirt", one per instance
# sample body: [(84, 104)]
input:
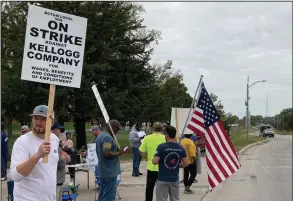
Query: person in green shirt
[(148, 148)]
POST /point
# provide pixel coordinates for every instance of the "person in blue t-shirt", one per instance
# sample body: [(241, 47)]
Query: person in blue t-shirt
[(170, 156), (4, 153), (109, 161)]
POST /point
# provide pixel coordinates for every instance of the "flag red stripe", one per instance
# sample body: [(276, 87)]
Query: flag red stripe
[(215, 158), (212, 185), (220, 152), (196, 121), (197, 113), (223, 144), (228, 139), (213, 171), (195, 130)]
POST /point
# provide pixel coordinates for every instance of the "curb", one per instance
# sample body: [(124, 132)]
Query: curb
[(241, 151)]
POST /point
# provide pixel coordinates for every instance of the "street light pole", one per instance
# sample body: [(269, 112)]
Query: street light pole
[(247, 104), (247, 107)]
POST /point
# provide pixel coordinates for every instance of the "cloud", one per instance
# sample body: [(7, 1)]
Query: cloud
[(226, 42)]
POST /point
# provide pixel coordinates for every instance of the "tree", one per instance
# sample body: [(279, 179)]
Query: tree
[(117, 51), (168, 91), (18, 97), (232, 119), (256, 120), (284, 119)]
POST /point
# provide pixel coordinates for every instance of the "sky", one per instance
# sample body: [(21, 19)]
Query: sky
[(226, 42)]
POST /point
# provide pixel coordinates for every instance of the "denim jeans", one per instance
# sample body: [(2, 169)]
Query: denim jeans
[(108, 189), (4, 160), (136, 161)]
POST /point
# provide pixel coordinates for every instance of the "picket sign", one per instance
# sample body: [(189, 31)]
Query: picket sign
[(92, 158), (104, 112), (53, 52)]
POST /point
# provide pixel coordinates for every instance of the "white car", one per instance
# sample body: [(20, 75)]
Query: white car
[(268, 132)]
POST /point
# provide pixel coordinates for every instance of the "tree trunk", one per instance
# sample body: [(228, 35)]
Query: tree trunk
[(80, 132)]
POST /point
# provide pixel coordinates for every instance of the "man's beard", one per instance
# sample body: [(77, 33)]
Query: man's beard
[(39, 130)]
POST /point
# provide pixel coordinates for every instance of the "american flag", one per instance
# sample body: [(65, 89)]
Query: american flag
[(221, 157)]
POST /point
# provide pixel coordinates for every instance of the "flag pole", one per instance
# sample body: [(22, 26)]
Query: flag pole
[(192, 104)]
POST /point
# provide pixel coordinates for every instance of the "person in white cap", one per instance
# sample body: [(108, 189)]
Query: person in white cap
[(35, 180), (24, 129), (95, 130)]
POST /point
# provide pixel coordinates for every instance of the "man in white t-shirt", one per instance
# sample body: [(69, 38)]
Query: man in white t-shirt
[(35, 180)]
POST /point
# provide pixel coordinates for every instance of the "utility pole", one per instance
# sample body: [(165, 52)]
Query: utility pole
[(267, 106), (247, 103), (247, 107)]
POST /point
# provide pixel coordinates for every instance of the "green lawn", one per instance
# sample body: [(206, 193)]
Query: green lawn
[(239, 138), (283, 132)]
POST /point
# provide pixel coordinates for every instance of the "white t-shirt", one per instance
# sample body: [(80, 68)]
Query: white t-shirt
[(40, 184)]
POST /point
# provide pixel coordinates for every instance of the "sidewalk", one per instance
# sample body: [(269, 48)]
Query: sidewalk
[(132, 188)]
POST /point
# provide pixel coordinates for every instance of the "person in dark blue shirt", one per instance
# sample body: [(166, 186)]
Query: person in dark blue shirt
[(170, 156), (4, 153)]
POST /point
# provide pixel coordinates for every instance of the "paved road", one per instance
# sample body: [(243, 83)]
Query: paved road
[(265, 175)]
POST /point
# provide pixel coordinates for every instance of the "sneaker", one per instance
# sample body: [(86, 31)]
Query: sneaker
[(188, 191), (140, 174), (3, 178), (195, 181)]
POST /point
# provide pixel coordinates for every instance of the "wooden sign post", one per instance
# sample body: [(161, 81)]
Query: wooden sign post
[(49, 117), (177, 126), (104, 112), (53, 53)]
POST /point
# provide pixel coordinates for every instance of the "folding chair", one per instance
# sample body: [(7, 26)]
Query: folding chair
[(10, 187), (67, 196)]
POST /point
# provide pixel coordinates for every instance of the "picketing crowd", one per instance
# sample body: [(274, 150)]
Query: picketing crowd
[(165, 155)]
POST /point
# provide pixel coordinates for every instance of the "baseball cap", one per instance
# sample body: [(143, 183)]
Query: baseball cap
[(24, 128), (94, 128), (114, 122), (41, 110), (56, 125)]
